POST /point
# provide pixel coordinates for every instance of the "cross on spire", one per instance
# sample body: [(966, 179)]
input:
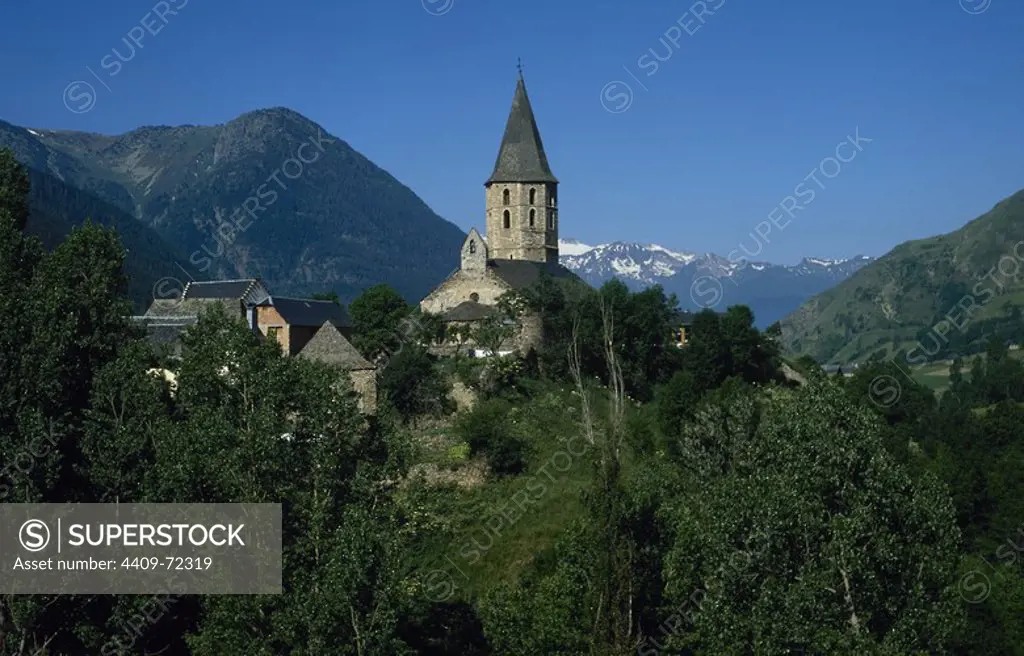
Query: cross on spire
[(519, 66)]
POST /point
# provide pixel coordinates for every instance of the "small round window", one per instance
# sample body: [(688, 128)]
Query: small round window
[(474, 297)]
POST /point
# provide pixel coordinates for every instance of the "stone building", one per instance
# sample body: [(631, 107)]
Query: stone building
[(329, 345), (293, 322), (302, 327), (167, 318), (521, 241)]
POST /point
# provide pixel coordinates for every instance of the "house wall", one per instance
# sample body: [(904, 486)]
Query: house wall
[(682, 335), (268, 317), (364, 383)]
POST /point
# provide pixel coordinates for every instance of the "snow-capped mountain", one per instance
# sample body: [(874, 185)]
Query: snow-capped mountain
[(771, 290), (572, 247), (643, 263)]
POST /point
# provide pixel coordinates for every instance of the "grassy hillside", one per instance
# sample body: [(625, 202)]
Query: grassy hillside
[(476, 514), (935, 375), (894, 302)]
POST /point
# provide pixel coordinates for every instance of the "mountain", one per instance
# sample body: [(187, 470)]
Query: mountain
[(708, 280), (932, 297), (268, 194), (56, 208)]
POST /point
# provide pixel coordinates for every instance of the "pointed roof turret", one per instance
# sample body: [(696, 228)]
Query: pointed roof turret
[(521, 157)]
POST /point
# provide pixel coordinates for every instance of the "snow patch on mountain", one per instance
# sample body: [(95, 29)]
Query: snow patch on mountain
[(572, 247), (649, 264), (771, 291), (645, 263), (685, 258)]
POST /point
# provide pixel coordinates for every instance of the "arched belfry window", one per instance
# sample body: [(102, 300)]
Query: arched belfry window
[(506, 197), (533, 215), (472, 246), (507, 220), (551, 220), (533, 197), (551, 198)]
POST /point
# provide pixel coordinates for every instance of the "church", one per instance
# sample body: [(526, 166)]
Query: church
[(521, 235)]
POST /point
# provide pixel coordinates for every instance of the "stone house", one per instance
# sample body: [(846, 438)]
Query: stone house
[(302, 327), (166, 318), (293, 322), (329, 345), (521, 244)]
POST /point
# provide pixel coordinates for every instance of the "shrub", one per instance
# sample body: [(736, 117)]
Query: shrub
[(487, 431), (459, 452)]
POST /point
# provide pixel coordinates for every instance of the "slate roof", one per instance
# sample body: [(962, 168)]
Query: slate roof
[(519, 274), (330, 346), (467, 311), (308, 312), (521, 157), (248, 289), (172, 308), (164, 329)]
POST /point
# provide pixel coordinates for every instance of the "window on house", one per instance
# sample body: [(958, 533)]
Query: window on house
[(508, 220), (533, 197), (506, 197), (272, 332), (472, 246), (533, 215)]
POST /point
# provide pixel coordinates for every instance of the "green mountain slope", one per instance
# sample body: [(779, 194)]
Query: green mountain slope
[(950, 282), (337, 222)]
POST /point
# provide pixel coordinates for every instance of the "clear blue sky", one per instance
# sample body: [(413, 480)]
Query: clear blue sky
[(739, 114)]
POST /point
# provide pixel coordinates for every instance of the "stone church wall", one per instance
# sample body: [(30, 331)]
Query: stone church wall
[(520, 240), (460, 288)]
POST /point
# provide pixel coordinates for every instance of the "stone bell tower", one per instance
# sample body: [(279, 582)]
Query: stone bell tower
[(522, 193)]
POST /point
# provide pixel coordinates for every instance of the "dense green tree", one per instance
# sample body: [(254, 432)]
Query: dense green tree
[(677, 400), (412, 383), (803, 534), (243, 420), (14, 189), (487, 432), (65, 319), (552, 610), (377, 320)]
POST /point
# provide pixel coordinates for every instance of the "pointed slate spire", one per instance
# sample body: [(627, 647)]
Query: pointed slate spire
[(521, 157)]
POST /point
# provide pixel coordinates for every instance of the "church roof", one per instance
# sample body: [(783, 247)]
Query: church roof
[(468, 311), (519, 274), (521, 157)]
